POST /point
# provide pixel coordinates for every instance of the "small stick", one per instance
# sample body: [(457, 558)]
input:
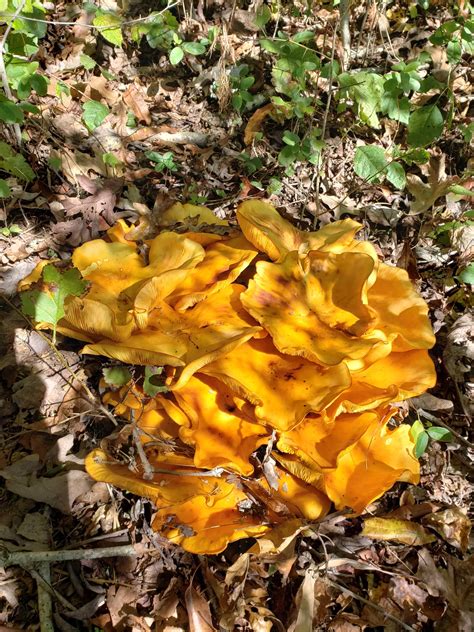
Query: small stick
[(344, 11), (3, 70), (24, 558), (45, 603)]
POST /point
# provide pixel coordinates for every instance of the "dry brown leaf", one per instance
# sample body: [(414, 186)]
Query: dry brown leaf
[(455, 584), (453, 526), (96, 212), (59, 492), (135, 100), (199, 612), (402, 531), (437, 185), (255, 122)]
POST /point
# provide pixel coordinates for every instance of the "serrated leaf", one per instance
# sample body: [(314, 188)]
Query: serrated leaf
[(176, 55), (370, 162), (153, 381), (425, 125), (396, 175), (110, 27), (47, 305), (94, 113), (117, 375), (438, 433), (421, 444), (403, 531)]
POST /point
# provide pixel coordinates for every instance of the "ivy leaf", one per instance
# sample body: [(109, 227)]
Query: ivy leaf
[(94, 113), (47, 304), (110, 27), (425, 125), (117, 376), (396, 175), (370, 162)]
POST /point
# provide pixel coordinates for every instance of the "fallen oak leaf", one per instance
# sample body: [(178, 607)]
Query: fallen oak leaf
[(135, 100), (437, 185), (96, 212)]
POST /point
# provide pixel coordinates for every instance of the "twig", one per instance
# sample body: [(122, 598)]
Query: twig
[(45, 603), (43, 582), (24, 558), (373, 605), (345, 31), (323, 132), (3, 70)]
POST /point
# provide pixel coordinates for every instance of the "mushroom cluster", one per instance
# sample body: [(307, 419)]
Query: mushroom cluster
[(269, 336)]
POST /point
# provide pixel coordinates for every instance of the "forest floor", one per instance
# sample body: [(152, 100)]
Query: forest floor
[(160, 131)]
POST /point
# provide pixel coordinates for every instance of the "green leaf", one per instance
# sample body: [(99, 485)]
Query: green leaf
[(370, 162), (39, 84), (416, 429), (304, 36), (16, 165), (366, 89), (398, 109), (47, 305), (458, 189), (425, 125), (290, 138), (421, 444), (110, 159), (194, 48), (414, 156), (10, 112), (153, 381), (94, 113), (467, 275), (87, 61), (263, 16), (396, 175), (154, 156), (109, 26), (176, 55), (117, 375), (5, 190), (438, 433)]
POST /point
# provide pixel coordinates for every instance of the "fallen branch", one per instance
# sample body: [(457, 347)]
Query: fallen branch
[(25, 558)]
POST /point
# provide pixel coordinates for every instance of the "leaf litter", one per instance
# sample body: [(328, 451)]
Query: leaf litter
[(405, 564)]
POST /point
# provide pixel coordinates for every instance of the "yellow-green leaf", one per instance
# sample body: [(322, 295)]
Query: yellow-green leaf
[(110, 27), (403, 531)]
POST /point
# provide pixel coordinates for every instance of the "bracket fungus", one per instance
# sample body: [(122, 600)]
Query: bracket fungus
[(283, 354)]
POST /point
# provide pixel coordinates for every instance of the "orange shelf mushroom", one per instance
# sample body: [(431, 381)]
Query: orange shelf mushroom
[(283, 350)]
